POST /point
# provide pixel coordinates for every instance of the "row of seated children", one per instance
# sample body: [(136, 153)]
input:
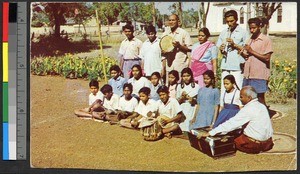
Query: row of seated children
[(199, 106)]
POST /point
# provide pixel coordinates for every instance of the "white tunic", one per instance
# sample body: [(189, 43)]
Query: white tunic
[(138, 84), (93, 98), (111, 104), (129, 106)]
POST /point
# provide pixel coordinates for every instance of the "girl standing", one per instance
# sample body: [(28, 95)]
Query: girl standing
[(156, 82), (204, 56), (230, 102), (208, 100), (186, 96), (173, 78)]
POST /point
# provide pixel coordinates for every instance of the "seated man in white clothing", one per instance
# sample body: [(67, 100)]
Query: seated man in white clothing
[(170, 112), (254, 117)]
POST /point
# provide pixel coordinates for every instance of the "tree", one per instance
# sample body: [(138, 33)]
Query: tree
[(137, 11), (57, 13), (179, 12), (202, 13), (176, 8), (82, 14), (108, 11), (267, 9), (190, 18)]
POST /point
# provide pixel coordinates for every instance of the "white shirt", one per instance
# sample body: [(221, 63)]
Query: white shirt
[(173, 90), (229, 96), (170, 109), (259, 126), (184, 38), (130, 49), (129, 106), (143, 109), (192, 92), (93, 98), (151, 55), (113, 103), (138, 84)]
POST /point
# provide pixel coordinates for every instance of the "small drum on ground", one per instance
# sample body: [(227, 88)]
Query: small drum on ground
[(151, 129), (166, 44)]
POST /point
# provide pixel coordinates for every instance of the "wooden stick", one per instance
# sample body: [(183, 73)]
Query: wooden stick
[(101, 48)]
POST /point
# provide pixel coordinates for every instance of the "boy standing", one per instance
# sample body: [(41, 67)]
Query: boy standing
[(227, 42), (257, 66), (151, 53), (129, 50)]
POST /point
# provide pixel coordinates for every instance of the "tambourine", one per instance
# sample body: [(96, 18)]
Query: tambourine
[(166, 44)]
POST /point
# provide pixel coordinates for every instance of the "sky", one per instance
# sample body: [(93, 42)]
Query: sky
[(163, 6)]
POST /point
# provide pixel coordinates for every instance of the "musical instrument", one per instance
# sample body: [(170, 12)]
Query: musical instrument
[(166, 44), (214, 146), (150, 129)]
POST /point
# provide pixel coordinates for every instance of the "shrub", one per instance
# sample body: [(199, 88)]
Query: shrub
[(283, 81), (68, 65)]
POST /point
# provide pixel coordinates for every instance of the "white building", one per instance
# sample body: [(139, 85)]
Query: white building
[(283, 20)]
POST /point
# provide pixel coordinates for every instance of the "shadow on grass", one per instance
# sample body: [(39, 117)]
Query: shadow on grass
[(56, 46)]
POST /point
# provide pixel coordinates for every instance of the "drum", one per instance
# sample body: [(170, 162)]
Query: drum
[(166, 44), (150, 129)]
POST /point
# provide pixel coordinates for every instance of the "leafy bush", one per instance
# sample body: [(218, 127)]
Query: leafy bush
[(71, 67), (283, 81)]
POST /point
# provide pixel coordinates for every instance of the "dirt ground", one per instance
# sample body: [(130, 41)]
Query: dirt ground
[(61, 140)]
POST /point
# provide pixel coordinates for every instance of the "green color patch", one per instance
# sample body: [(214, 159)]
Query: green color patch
[(5, 102)]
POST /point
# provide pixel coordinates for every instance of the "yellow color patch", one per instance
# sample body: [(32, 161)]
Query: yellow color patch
[(5, 61)]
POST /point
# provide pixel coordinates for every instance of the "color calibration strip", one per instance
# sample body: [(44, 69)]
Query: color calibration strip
[(5, 80), (14, 80)]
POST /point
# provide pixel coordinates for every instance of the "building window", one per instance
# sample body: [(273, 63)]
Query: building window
[(242, 16), (224, 11), (279, 15)]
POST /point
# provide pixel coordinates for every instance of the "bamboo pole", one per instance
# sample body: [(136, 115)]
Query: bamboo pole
[(101, 48)]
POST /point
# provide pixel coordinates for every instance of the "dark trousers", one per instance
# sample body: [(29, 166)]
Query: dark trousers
[(249, 145)]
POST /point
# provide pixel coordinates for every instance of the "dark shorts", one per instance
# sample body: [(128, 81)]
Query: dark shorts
[(259, 85)]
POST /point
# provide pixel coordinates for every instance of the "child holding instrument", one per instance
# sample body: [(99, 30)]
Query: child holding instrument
[(208, 100), (95, 101), (186, 96), (173, 78), (230, 100), (146, 108), (170, 112)]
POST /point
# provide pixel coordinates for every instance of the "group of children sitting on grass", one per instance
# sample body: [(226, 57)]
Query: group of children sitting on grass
[(178, 106)]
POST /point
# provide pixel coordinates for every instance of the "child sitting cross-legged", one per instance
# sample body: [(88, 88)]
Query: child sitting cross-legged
[(146, 108), (127, 104), (95, 101), (170, 113), (110, 103)]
